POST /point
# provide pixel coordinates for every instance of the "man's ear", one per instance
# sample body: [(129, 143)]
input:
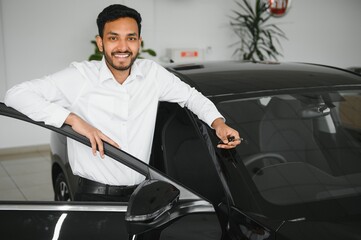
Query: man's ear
[(140, 44), (99, 41)]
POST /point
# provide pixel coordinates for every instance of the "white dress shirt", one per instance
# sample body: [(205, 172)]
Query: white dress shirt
[(124, 112)]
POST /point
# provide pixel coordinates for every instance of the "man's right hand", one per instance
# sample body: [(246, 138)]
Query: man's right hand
[(95, 136)]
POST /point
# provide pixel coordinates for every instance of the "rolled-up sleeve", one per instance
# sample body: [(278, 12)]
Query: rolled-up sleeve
[(47, 99)]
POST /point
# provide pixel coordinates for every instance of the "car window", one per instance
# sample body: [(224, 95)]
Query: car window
[(184, 153), (300, 148), (37, 172), (39, 168)]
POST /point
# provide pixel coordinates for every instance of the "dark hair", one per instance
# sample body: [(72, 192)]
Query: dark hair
[(114, 12)]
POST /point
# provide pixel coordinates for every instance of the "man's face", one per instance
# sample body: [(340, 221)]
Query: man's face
[(120, 43)]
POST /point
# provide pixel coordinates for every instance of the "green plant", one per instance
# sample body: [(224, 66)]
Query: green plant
[(97, 55), (257, 37), (149, 51)]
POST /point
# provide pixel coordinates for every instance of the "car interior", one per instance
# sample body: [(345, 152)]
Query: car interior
[(299, 149), (184, 156)]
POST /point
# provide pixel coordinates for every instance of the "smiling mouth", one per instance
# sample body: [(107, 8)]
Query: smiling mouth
[(121, 54)]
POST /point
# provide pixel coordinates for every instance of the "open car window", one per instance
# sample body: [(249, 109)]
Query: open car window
[(40, 169), (25, 172)]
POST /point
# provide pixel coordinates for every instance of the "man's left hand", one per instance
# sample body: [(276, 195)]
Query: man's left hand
[(229, 137)]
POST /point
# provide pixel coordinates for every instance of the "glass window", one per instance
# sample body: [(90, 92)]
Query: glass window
[(301, 148), (186, 158)]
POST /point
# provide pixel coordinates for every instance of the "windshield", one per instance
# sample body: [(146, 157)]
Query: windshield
[(299, 148)]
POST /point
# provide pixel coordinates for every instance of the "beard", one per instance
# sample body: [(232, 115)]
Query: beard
[(110, 62)]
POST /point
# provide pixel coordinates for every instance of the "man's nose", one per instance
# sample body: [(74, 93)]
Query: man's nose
[(122, 45)]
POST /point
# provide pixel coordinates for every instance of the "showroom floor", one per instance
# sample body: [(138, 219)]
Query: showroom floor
[(26, 176)]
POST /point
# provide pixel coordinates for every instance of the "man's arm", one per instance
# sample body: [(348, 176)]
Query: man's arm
[(48, 99), (30, 99)]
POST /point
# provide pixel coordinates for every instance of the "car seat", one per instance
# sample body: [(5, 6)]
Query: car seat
[(187, 160), (283, 130)]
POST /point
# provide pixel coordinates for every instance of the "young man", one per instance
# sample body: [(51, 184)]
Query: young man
[(113, 100)]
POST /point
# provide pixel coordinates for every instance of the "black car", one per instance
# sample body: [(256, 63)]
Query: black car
[(296, 174)]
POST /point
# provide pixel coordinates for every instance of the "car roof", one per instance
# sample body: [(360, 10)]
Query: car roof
[(222, 78)]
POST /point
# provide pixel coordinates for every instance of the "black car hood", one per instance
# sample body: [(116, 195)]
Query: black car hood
[(335, 229)]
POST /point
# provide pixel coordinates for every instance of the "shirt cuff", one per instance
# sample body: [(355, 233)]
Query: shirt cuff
[(209, 119), (58, 115)]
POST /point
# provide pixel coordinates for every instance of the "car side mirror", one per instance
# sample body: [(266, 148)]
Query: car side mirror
[(149, 204)]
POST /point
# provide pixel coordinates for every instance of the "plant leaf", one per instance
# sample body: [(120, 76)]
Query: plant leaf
[(259, 40)]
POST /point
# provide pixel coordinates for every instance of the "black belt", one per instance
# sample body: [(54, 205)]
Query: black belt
[(92, 187)]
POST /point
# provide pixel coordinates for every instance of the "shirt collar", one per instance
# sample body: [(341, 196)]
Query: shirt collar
[(106, 74)]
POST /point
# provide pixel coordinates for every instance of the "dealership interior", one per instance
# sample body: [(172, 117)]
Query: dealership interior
[(36, 41)]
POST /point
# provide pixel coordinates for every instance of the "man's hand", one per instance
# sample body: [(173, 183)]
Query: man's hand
[(95, 136), (224, 132)]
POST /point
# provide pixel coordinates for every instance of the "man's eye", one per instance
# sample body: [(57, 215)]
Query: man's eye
[(132, 38), (112, 38)]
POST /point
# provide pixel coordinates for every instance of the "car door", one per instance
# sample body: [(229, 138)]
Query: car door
[(188, 215)]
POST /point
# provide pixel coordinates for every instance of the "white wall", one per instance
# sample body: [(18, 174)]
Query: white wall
[(3, 81), (38, 37), (323, 31), (194, 23)]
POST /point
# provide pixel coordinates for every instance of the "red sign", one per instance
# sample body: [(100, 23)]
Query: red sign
[(189, 54), (278, 7)]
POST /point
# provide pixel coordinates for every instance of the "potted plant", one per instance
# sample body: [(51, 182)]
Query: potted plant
[(259, 40)]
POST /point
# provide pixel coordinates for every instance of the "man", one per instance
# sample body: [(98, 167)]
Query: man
[(114, 100)]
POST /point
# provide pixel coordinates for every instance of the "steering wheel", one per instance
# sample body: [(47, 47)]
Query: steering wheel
[(259, 156)]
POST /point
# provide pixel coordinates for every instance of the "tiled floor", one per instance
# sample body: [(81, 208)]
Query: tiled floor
[(26, 176)]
